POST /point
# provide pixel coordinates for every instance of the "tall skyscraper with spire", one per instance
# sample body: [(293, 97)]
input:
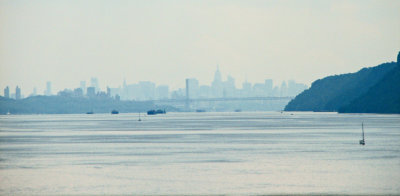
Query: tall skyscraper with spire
[(217, 86), (217, 77)]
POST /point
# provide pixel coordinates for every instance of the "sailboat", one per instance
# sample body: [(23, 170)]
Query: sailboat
[(362, 142)]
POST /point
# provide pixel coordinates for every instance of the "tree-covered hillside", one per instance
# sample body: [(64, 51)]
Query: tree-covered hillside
[(334, 92), (384, 97)]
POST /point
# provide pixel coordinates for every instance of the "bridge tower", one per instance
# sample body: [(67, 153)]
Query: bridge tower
[(187, 106)]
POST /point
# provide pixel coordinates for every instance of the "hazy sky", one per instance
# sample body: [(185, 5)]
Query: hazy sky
[(167, 41)]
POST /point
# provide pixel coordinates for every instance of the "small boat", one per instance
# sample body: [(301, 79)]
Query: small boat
[(154, 112), (8, 113), (91, 112), (200, 110), (151, 112), (362, 142), (139, 117), (114, 112), (238, 110), (161, 111)]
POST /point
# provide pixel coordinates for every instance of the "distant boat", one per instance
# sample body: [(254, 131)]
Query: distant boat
[(200, 110), (154, 112), (238, 110), (362, 142), (114, 112), (8, 113), (139, 117), (91, 112), (151, 112)]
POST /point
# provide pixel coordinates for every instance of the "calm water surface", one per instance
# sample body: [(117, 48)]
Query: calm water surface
[(199, 153)]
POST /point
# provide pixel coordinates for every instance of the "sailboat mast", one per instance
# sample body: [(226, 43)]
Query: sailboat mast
[(362, 125)]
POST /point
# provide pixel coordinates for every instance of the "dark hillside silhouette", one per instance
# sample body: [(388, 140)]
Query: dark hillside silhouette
[(334, 92), (384, 97)]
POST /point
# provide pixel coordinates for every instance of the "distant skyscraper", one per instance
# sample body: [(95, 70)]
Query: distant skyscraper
[(94, 82), (48, 88), (229, 87), (192, 88), (217, 77), (83, 86), (126, 92), (217, 87), (7, 92), (108, 91), (187, 89), (78, 92), (91, 92), (17, 93)]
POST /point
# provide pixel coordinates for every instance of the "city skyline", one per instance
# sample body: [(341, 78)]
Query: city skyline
[(166, 42), (199, 97), (54, 88), (148, 90)]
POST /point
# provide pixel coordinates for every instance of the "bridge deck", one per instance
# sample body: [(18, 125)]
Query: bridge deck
[(225, 99)]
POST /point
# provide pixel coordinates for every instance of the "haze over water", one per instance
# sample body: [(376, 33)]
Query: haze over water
[(199, 153)]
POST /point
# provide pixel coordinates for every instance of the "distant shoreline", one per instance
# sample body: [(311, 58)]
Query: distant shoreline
[(144, 113)]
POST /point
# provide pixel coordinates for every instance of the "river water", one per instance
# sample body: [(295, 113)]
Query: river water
[(199, 153)]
